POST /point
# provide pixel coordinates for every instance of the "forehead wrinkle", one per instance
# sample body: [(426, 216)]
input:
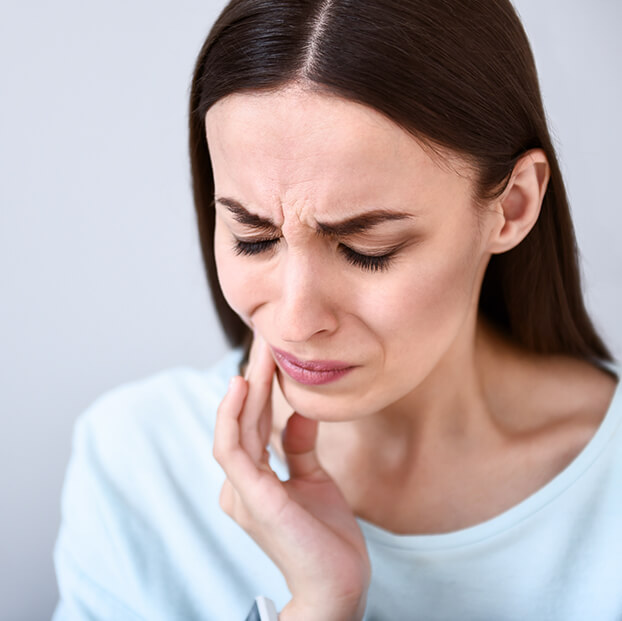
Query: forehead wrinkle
[(296, 216), (355, 226), (307, 158)]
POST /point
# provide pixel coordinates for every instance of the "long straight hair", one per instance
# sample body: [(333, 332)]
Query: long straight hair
[(456, 74)]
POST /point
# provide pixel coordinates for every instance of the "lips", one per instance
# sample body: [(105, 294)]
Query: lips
[(312, 365), (311, 372)]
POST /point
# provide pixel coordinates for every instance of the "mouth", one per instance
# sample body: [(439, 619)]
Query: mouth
[(311, 372)]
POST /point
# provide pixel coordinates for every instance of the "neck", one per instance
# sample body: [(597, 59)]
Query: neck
[(459, 403)]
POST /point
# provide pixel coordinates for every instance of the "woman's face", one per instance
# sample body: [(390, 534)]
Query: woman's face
[(343, 243)]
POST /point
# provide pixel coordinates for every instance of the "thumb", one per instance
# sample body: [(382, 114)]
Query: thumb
[(298, 440)]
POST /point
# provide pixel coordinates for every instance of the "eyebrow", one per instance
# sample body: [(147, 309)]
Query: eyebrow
[(343, 228)]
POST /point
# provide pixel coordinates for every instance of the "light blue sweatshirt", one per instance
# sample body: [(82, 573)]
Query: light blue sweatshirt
[(143, 537)]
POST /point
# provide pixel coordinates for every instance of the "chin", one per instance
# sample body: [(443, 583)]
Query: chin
[(333, 406)]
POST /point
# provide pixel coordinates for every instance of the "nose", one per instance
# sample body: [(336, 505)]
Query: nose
[(306, 304)]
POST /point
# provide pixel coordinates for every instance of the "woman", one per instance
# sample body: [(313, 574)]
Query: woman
[(381, 208)]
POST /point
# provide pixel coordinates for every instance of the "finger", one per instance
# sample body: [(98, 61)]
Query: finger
[(225, 430), (265, 421), (227, 499), (252, 355), (231, 503), (299, 441), (252, 482), (256, 415)]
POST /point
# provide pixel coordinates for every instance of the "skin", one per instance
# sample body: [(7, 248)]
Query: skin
[(442, 423)]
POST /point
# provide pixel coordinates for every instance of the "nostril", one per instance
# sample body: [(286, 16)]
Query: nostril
[(300, 317)]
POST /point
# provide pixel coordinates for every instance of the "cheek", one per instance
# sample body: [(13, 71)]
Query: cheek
[(424, 306), (233, 276), (247, 283)]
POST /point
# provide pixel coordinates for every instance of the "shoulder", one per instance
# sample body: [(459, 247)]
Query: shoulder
[(530, 392), (560, 403), (564, 389), (166, 401), (586, 396), (132, 437), (548, 406)]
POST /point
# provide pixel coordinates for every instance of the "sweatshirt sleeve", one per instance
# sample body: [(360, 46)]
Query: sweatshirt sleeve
[(142, 535), (91, 555)]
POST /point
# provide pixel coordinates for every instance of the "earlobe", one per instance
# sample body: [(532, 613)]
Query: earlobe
[(521, 201)]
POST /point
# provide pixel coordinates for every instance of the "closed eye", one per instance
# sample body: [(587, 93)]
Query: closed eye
[(253, 247), (372, 263)]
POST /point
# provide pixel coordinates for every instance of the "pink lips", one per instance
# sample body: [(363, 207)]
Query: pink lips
[(311, 372)]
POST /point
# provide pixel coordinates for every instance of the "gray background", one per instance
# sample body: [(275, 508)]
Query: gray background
[(100, 273)]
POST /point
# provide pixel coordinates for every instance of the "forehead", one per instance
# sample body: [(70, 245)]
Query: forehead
[(316, 147)]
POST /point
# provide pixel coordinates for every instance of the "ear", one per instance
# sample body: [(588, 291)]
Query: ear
[(521, 201)]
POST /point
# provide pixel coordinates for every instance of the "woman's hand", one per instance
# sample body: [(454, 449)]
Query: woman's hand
[(304, 524)]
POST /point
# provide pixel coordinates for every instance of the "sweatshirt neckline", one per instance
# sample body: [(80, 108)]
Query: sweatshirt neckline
[(526, 508)]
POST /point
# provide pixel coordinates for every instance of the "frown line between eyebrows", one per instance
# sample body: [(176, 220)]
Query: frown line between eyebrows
[(343, 228)]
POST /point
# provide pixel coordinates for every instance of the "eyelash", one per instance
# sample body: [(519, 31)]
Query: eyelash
[(254, 247), (364, 261)]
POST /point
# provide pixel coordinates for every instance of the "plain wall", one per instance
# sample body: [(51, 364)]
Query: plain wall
[(101, 279)]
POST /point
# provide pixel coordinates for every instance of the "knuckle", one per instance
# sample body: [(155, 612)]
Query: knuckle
[(220, 410), (243, 518), (225, 499), (231, 503), (219, 454)]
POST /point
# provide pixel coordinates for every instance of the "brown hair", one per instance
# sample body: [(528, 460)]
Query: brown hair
[(456, 74)]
